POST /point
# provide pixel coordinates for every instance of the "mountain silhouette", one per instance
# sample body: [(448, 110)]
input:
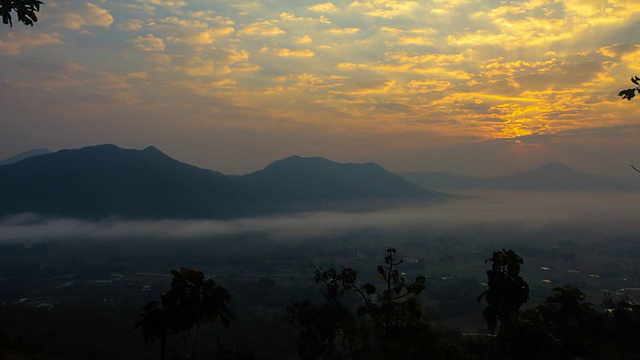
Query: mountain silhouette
[(105, 180), (549, 177), (317, 179), (24, 155)]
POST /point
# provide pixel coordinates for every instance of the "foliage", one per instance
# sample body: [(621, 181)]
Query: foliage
[(377, 320), (385, 325), (192, 299), (507, 290), (564, 326), (25, 11), (631, 93), (396, 313), (320, 325)]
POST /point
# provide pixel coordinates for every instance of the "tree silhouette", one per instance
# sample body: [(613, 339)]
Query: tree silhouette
[(631, 93), (507, 290), (395, 313), (192, 299), (24, 9), (320, 325), (387, 324)]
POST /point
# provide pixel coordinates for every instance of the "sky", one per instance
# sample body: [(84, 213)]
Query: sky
[(473, 87)]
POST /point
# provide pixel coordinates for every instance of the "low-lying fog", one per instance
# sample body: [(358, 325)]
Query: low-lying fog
[(594, 213)]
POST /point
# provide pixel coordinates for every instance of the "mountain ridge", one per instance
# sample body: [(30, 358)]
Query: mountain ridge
[(106, 180), (24, 155), (553, 176)]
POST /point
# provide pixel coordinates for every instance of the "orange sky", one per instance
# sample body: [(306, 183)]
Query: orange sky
[(484, 87)]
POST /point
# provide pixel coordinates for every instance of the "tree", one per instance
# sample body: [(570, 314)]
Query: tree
[(388, 324), (24, 9), (507, 290), (631, 93), (192, 299), (396, 313), (320, 325)]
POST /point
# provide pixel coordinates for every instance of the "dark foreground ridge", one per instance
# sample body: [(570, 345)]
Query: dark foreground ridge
[(105, 180)]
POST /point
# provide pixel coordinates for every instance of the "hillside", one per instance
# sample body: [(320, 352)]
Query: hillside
[(23, 155), (549, 177), (105, 180), (317, 179)]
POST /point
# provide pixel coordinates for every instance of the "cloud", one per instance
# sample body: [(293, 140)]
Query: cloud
[(186, 23), (148, 43), (344, 31), (388, 9), (459, 68), (306, 39), (300, 83), (165, 3), (415, 40), (202, 38), (16, 45), (221, 61), (327, 7), (89, 15), (262, 28), (130, 25), (304, 53), (288, 17), (138, 75)]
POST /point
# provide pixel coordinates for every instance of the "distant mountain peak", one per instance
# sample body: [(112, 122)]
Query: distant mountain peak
[(24, 155), (297, 161), (155, 152), (555, 166), (551, 169), (100, 147), (553, 176), (151, 148)]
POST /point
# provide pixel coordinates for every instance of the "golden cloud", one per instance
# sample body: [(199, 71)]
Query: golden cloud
[(285, 16), (415, 40), (148, 43), (344, 31), (89, 15), (387, 9), (427, 86), (186, 23), (303, 82), (262, 28), (327, 7), (295, 53), (206, 37), (306, 39), (168, 3)]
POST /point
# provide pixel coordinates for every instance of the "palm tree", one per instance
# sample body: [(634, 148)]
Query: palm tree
[(24, 9), (192, 299)]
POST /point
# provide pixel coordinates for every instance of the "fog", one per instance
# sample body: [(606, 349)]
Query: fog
[(594, 214)]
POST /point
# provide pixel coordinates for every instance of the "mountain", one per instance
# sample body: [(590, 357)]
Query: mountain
[(299, 179), (550, 177), (105, 180), (24, 155), (440, 180)]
